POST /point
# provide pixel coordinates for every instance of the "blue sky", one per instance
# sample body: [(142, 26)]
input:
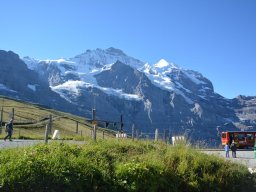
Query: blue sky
[(214, 37)]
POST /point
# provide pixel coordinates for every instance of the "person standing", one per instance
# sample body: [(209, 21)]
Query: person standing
[(9, 128), (226, 147), (233, 149)]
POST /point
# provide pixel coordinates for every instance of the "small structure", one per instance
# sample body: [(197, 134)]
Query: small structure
[(121, 135), (178, 140), (56, 134)]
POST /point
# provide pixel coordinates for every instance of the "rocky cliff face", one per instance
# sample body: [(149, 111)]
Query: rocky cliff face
[(148, 96), (245, 110), (19, 82)]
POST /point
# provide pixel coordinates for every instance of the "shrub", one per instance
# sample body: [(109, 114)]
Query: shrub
[(201, 172), (49, 168), (118, 166)]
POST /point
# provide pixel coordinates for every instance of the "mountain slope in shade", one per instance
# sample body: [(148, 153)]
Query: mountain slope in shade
[(19, 82)]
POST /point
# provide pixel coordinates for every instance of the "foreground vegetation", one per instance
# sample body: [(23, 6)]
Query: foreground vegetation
[(118, 165)]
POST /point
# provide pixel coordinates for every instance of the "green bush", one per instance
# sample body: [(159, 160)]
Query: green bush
[(49, 168), (118, 165), (136, 176), (201, 172)]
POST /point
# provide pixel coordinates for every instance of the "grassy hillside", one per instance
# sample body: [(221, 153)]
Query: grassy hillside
[(119, 165), (30, 121)]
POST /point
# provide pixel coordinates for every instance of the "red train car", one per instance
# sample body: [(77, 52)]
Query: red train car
[(242, 139)]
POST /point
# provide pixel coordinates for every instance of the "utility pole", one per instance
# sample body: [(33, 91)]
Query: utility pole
[(1, 120), (50, 124), (132, 132), (93, 114), (164, 137), (121, 124), (94, 123), (156, 135), (137, 134)]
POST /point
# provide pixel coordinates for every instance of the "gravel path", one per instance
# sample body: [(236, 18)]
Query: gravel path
[(244, 157), (23, 143), (18, 143)]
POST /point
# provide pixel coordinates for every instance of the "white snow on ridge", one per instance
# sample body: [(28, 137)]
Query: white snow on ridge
[(32, 87), (59, 61), (31, 63), (74, 87), (158, 74), (164, 66), (71, 86), (162, 63), (107, 56), (3, 87), (119, 93), (193, 78)]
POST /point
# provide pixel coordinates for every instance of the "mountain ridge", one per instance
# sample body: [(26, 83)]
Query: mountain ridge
[(149, 96)]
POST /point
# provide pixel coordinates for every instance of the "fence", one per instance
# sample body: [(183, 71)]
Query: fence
[(40, 125)]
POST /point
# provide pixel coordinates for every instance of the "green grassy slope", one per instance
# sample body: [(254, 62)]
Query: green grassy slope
[(30, 121)]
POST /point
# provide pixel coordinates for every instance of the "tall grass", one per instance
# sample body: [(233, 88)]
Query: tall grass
[(118, 165)]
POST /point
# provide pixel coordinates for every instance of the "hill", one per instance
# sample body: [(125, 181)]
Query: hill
[(30, 121)]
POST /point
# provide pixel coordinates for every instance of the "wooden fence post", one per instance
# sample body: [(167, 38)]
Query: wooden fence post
[(12, 113), (46, 134), (1, 121), (50, 124), (94, 132), (77, 127), (156, 135)]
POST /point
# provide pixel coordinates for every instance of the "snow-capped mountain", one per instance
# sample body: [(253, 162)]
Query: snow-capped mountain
[(17, 81), (80, 71), (159, 95)]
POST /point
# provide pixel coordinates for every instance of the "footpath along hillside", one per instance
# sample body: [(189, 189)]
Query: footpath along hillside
[(245, 157)]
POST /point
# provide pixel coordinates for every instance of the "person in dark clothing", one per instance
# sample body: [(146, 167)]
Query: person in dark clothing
[(231, 139), (233, 149), (9, 129)]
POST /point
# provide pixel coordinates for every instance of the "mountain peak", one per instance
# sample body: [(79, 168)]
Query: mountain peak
[(162, 63), (103, 57), (114, 51)]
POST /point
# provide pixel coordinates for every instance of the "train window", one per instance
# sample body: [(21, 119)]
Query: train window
[(241, 136), (250, 136)]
